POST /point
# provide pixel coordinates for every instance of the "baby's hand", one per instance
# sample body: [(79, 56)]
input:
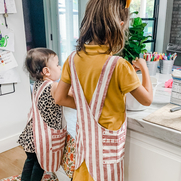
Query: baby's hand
[(139, 64)]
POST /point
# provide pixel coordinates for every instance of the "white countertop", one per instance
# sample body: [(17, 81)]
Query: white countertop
[(161, 98), (135, 118)]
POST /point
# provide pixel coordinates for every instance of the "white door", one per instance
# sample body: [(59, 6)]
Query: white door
[(68, 26), (62, 26)]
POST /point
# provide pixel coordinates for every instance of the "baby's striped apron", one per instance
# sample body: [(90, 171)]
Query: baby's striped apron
[(102, 149), (49, 143)]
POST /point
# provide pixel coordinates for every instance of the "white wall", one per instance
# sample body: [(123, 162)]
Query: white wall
[(14, 107)]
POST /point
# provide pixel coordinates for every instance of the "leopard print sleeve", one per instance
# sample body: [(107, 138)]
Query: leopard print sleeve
[(50, 112)]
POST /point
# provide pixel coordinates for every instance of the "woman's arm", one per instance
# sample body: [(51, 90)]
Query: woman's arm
[(144, 93), (62, 97)]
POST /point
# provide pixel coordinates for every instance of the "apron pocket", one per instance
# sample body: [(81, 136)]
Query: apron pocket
[(58, 140), (113, 146)]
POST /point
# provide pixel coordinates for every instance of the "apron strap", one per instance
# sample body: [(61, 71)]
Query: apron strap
[(100, 92), (49, 143), (36, 96)]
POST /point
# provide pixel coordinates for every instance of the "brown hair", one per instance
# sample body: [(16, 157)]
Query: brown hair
[(36, 60), (101, 24)]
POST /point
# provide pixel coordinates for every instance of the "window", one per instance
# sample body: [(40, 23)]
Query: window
[(69, 27), (148, 11)]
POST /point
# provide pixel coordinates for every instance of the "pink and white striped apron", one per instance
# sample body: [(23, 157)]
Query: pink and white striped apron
[(49, 143), (102, 149)]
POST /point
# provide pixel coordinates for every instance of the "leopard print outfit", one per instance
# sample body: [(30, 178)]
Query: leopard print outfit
[(49, 111)]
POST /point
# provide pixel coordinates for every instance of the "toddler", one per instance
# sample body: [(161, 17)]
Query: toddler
[(43, 138)]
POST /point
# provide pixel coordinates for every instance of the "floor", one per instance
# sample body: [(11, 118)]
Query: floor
[(11, 162)]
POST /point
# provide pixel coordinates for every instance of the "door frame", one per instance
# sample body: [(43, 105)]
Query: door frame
[(52, 29)]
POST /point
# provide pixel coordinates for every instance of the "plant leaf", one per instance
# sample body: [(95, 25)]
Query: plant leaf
[(135, 45), (137, 21), (144, 25), (144, 51), (143, 46), (135, 12), (126, 58)]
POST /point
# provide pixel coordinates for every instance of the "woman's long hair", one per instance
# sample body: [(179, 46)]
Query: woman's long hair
[(101, 24)]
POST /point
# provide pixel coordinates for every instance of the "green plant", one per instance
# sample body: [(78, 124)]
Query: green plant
[(135, 45)]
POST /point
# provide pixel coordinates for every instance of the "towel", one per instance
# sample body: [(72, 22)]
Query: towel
[(168, 84)]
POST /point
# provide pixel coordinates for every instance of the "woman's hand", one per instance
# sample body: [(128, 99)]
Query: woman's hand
[(139, 64), (62, 96), (70, 93), (136, 69)]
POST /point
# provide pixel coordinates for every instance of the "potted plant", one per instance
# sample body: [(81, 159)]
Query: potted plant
[(135, 43)]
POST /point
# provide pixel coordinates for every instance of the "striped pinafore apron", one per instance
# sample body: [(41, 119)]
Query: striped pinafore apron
[(49, 143), (102, 149)]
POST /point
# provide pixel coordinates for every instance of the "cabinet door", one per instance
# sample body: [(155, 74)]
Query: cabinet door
[(149, 159)]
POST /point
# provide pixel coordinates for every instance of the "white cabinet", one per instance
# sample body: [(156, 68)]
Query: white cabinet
[(151, 159)]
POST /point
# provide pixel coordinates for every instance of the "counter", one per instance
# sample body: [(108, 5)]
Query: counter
[(153, 152), (161, 98)]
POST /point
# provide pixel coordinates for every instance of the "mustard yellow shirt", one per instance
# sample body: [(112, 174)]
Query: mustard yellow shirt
[(124, 79)]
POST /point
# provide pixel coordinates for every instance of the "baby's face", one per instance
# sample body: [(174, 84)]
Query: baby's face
[(54, 67)]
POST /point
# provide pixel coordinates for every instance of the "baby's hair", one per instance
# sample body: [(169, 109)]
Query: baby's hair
[(101, 23), (36, 60)]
